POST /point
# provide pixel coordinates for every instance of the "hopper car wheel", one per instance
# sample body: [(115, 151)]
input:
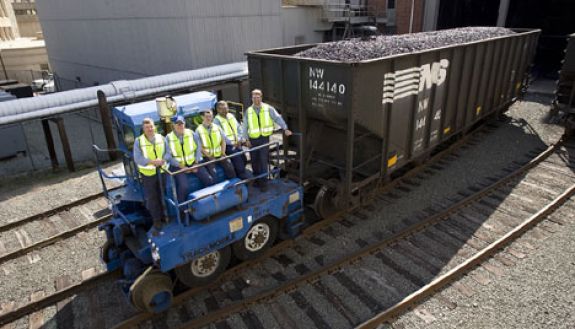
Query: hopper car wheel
[(325, 204), (204, 269), (260, 237), (152, 293)]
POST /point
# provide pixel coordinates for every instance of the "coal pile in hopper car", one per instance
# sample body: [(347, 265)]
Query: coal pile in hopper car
[(355, 50)]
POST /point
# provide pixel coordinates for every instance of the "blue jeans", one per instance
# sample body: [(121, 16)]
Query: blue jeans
[(239, 161), (182, 183), (153, 195), (226, 165)]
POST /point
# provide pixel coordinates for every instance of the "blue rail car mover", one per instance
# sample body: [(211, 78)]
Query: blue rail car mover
[(215, 223)]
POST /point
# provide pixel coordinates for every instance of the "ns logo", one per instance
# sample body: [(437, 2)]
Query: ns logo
[(434, 73), (414, 80)]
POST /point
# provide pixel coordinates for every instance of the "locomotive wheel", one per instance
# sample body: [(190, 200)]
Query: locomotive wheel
[(204, 269), (324, 204), (152, 293), (260, 237), (105, 251)]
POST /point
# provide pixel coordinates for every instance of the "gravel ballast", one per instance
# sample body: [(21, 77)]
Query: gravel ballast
[(357, 49), (526, 132), (535, 293)]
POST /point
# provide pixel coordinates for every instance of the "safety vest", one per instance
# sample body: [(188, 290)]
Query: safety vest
[(262, 125), (184, 153), (212, 143), (230, 125), (152, 152)]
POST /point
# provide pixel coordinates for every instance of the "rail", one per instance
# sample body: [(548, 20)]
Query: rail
[(313, 276)]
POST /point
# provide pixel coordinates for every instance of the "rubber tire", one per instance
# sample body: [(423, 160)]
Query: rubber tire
[(239, 247), (142, 292), (187, 277)]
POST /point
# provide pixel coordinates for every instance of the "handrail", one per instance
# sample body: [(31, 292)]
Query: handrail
[(179, 205), (172, 199)]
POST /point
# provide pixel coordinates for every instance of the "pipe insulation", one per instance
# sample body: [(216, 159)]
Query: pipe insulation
[(123, 90)]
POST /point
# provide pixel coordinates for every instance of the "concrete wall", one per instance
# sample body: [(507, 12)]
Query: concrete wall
[(101, 41), (302, 25), (24, 60)]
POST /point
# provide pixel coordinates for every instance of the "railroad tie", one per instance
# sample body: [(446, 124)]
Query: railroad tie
[(36, 319)]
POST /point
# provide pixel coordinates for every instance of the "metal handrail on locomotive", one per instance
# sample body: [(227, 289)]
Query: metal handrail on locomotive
[(214, 222)]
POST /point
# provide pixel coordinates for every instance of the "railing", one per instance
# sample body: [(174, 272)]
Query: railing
[(339, 10), (171, 198), (183, 206)]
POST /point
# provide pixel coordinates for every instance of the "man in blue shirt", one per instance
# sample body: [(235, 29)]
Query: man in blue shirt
[(214, 142), (232, 130), (257, 126), (151, 159), (186, 151)]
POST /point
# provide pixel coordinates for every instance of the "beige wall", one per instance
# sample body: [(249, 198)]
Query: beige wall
[(29, 26), (8, 25), (20, 62)]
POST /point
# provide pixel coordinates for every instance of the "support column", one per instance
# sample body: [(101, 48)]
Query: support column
[(430, 15), (50, 143), (503, 11), (107, 124), (65, 144)]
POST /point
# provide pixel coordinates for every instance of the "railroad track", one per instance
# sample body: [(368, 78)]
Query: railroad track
[(314, 234), (298, 284), (49, 227), (21, 238)]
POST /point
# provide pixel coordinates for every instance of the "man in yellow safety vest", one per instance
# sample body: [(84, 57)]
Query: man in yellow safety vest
[(150, 158), (185, 149), (213, 142), (231, 128), (257, 126)]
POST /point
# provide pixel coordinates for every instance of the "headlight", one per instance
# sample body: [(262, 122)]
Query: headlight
[(155, 254)]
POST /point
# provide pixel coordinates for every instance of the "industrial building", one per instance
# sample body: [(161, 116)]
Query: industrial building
[(95, 42), (23, 54)]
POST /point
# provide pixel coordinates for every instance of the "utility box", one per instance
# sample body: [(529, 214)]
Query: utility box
[(20, 90)]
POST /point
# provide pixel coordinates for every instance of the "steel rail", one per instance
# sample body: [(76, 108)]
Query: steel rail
[(53, 239), (57, 296), (180, 298), (312, 276), (51, 212), (467, 265)]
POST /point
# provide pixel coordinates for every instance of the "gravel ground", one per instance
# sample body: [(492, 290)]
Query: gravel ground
[(537, 292), (21, 277), (29, 195)]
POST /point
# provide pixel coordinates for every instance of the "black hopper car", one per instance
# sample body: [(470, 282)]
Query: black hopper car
[(364, 117)]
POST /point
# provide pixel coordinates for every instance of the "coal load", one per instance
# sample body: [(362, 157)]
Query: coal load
[(355, 50)]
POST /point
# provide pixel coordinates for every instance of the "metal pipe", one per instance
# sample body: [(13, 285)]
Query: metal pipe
[(411, 16), (117, 91)]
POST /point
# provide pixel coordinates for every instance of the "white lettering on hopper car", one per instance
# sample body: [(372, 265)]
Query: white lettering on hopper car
[(412, 81)]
